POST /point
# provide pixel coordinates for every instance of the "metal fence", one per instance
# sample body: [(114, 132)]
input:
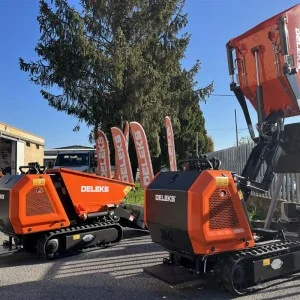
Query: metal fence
[(234, 159)]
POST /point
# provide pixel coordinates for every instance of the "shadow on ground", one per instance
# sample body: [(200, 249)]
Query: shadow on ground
[(21, 257), (112, 273)]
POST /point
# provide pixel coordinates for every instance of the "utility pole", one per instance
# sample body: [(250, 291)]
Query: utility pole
[(197, 138), (236, 129)]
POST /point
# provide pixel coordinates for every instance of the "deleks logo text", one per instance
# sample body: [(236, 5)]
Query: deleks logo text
[(298, 46), (102, 156), (94, 189), (124, 172), (145, 168), (170, 145)]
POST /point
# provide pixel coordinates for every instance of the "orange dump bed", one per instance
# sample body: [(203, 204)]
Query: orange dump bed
[(92, 193), (278, 41)]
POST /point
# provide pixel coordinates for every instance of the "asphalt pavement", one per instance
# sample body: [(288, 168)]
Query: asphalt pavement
[(113, 273)]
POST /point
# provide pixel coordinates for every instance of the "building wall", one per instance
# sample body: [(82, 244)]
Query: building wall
[(33, 153), (20, 134), (28, 148), (20, 149)]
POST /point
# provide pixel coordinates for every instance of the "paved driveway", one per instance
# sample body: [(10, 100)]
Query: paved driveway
[(113, 273)]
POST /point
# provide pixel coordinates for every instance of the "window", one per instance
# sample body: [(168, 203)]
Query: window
[(78, 159), (28, 144)]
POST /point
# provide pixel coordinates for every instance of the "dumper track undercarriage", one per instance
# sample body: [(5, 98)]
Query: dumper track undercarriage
[(239, 272), (72, 240)]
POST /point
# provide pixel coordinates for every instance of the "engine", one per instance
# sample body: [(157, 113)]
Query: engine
[(198, 212)]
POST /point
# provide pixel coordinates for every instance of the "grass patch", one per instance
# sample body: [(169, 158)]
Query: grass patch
[(253, 214), (135, 196)]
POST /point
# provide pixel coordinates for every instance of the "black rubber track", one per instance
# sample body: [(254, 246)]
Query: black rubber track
[(43, 239), (231, 269)]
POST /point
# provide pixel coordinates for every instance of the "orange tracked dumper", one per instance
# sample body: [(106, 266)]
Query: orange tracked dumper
[(198, 214), (60, 211)]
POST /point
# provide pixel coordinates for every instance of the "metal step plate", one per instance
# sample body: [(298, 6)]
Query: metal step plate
[(176, 276)]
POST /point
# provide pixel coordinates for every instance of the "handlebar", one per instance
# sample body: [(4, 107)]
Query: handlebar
[(32, 169), (202, 163)]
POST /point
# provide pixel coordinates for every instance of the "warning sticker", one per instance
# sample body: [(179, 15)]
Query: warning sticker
[(222, 181), (240, 194), (76, 237), (127, 190), (38, 181), (266, 262)]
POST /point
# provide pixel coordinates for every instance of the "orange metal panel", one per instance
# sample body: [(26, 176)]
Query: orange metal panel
[(215, 221), (92, 193), (35, 205), (277, 92)]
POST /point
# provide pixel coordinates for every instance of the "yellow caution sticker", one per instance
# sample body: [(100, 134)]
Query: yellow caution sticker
[(127, 190), (240, 195), (266, 262), (76, 237), (222, 181), (38, 181)]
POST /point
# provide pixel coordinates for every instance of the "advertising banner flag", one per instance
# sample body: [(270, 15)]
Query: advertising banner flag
[(103, 155), (143, 154), (123, 164), (171, 145), (126, 134)]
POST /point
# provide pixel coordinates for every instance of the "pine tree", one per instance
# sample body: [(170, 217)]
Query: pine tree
[(117, 60), (189, 120)]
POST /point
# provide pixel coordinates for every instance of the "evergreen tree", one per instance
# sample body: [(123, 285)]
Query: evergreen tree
[(189, 120), (118, 60)]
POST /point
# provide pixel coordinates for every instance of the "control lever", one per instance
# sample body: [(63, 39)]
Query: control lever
[(248, 184)]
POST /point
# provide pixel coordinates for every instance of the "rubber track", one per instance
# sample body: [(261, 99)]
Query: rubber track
[(230, 260), (43, 239)]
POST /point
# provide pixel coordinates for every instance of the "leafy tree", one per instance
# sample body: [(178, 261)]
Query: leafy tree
[(118, 60), (245, 140)]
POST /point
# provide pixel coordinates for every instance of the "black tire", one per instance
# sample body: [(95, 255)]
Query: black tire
[(234, 276)]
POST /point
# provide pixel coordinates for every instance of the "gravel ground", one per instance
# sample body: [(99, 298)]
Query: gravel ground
[(113, 273)]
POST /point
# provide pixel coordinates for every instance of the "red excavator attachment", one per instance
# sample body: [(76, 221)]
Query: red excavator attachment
[(267, 65), (276, 43)]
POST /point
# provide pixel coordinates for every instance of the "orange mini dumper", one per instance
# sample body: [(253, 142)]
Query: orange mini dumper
[(60, 211), (199, 215)]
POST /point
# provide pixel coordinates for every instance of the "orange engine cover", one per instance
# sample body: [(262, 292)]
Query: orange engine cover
[(197, 213), (223, 225), (35, 205)]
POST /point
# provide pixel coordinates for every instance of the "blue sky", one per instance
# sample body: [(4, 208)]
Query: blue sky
[(211, 22)]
